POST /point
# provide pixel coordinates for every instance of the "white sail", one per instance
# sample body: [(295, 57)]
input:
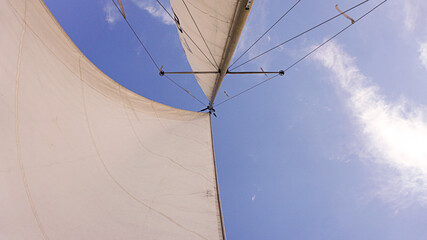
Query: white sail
[(209, 33), (83, 158)]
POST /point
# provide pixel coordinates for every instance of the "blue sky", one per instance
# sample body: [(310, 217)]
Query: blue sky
[(335, 149)]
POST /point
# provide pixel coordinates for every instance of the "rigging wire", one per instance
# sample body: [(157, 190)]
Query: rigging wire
[(305, 56), (299, 35), (186, 34), (201, 35), (174, 82), (253, 44), (152, 59), (136, 35), (246, 90)]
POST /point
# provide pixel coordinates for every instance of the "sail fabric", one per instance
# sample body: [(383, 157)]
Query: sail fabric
[(83, 158), (204, 29)]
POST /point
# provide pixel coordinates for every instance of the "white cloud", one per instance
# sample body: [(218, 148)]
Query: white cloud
[(155, 10), (111, 13), (411, 13), (423, 53), (395, 134)]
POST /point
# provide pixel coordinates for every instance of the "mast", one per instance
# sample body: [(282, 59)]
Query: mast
[(240, 16)]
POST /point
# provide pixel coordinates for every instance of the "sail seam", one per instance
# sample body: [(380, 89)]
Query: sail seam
[(149, 208), (18, 140), (201, 35), (152, 152)]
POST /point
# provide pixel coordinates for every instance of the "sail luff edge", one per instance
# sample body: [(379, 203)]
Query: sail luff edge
[(221, 218)]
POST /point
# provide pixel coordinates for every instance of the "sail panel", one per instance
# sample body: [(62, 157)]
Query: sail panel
[(204, 29), (81, 157)]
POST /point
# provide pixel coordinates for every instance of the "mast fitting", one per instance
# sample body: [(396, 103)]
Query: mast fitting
[(161, 72), (210, 109)]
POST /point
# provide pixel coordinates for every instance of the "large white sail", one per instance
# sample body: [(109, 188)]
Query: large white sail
[(83, 158), (209, 33)]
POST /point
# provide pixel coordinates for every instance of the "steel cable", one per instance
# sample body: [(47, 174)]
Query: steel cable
[(305, 56)]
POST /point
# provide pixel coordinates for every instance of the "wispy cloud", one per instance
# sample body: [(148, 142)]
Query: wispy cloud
[(111, 13), (395, 133), (410, 13), (423, 53), (155, 10), (253, 197)]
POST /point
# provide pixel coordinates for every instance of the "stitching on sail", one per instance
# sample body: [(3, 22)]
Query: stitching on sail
[(59, 59), (166, 130), (154, 153), (18, 140), (200, 32), (210, 15), (115, 180)]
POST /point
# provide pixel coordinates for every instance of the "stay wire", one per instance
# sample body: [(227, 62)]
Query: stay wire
[(174, 82), (152, 59), (253, 44), (308, 54), (186, 34), (254, 86), (299, 35), (334, 36)]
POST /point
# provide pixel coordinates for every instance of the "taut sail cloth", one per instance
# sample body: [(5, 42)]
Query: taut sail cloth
[(83, 158), (209, 32)]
